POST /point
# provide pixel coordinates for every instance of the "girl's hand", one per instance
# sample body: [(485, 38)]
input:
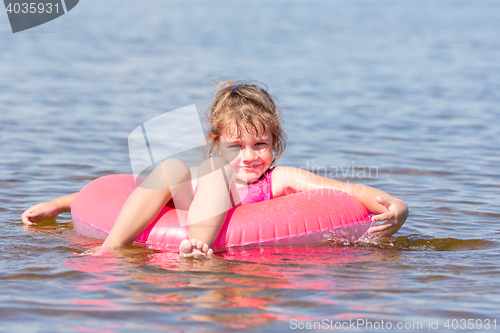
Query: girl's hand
[(396, 217), (40, 212)]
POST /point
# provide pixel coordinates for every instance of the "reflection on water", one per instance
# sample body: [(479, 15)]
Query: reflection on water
[(251, 280), (260, 283)]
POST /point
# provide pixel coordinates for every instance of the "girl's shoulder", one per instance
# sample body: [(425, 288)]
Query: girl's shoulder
[(282, 171), (283, 179), (279, 169)]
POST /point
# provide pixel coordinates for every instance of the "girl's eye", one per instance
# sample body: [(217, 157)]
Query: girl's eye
[(234, 146)]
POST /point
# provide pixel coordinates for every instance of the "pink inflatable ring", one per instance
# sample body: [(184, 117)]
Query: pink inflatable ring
[(298, 219)]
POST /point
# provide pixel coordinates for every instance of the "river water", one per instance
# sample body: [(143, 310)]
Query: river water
[(400, 95)]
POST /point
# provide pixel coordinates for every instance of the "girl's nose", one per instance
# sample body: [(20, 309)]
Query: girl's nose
[(248, 154)]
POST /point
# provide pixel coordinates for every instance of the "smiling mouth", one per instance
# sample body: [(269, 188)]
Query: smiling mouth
[(246, 168)]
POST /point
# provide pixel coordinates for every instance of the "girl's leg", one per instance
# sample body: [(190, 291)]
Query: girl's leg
[(171, 177), (215, 195)]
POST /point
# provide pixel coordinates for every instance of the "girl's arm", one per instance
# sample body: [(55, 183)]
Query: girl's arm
[(288, 180), (47, 210)]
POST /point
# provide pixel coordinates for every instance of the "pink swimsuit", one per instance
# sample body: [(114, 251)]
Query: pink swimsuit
[(261, 190)]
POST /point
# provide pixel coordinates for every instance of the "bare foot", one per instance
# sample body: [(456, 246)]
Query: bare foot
[(194, 248)]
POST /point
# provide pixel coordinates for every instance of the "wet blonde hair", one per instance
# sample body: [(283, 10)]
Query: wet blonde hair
[(248, 107)]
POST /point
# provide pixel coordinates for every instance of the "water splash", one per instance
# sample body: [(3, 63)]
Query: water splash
[(413, 242)]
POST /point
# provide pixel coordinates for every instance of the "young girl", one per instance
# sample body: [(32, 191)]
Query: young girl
[(247, 138)]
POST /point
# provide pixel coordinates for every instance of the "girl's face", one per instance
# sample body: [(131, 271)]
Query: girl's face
[(249, 155)]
